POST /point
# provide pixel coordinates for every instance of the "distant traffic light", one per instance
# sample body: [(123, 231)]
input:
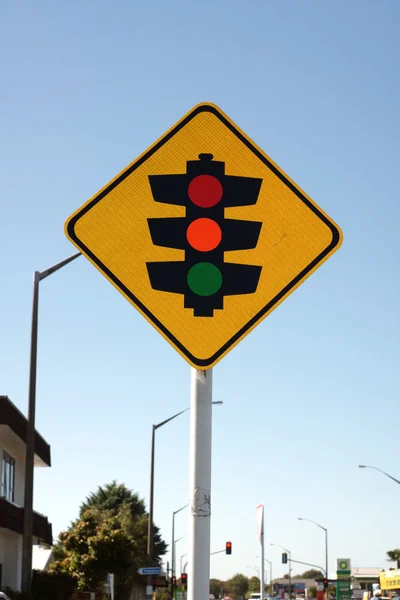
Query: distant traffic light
[(203, 277), (326, 583), (284, 558), (228, 547), (173, 580), (184, 579)]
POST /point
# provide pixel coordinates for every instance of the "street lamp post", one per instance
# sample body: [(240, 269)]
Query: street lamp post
[(26, 578), (150, 526), (326, 541), (182, 556), (173, 539), (270, 573), (290, 566), (254, 569), (176, 541), (380, 471)]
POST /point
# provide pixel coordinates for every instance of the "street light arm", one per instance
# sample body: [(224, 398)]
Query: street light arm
[(326, 539), (254, 568), (380, 471), (265, 560), (177, 415), (171, 418), (308, 564), (278, 546), (179, 509), (311, 521), (54, 268)]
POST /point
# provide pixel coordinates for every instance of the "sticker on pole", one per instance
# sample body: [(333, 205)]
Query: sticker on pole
[(204, 235)]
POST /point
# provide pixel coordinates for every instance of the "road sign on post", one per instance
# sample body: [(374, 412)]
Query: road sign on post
[(149, 571), (204, 235), (343, 576)]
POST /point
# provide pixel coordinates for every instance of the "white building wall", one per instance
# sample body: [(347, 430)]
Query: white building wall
[(10, 551), (11, 542)]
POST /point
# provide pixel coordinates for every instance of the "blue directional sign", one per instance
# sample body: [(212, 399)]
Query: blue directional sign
[(149, 571)]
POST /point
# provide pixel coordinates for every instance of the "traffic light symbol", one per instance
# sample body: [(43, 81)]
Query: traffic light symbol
[(284, 558), (203, 277), (184, 579), (326, 582), (228, 547)]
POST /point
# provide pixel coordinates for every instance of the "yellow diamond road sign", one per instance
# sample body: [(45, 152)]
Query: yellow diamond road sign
[(204, 234)]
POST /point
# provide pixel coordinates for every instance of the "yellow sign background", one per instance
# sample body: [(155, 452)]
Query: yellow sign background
[(111, 229), (390, 580)]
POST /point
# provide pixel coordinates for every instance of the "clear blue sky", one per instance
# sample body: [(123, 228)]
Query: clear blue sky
[(313, 391)]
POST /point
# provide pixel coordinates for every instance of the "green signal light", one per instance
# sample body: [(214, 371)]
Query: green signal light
[(204, 279)]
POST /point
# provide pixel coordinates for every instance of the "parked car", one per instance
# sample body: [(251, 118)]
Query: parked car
[(4, 596)]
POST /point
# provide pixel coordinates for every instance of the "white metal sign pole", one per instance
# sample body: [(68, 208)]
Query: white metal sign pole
[(262, 585), (200, 485), (260, 527)]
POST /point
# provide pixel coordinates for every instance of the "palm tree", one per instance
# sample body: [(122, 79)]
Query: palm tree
[(394, 556)]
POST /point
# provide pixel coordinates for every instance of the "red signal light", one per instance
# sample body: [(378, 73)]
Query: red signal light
[(205, 191), (228, 547)]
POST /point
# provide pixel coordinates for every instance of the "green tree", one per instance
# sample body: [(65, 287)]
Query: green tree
[(112, 497), (162, 594), (238, 585), (94, 546), (216, 587), (310, 574), (394, 556), (312, 592), (254, 584), (110, 536)]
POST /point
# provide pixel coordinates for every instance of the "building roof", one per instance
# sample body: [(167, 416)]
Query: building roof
[(13, 418), (366, 572)]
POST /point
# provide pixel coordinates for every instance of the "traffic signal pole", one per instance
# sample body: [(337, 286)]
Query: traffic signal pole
[(200, 485)]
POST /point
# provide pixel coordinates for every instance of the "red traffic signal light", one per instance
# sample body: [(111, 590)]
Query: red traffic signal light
[(325, 582), (228, 547), (203, 277), (184, 579)]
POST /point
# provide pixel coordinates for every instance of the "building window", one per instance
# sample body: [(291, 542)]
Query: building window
[(7, 477)]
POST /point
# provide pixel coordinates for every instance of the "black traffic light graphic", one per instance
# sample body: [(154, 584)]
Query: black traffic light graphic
[(203, 277), (184, 579), (284, 558), (228, 547), (326, 583)]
